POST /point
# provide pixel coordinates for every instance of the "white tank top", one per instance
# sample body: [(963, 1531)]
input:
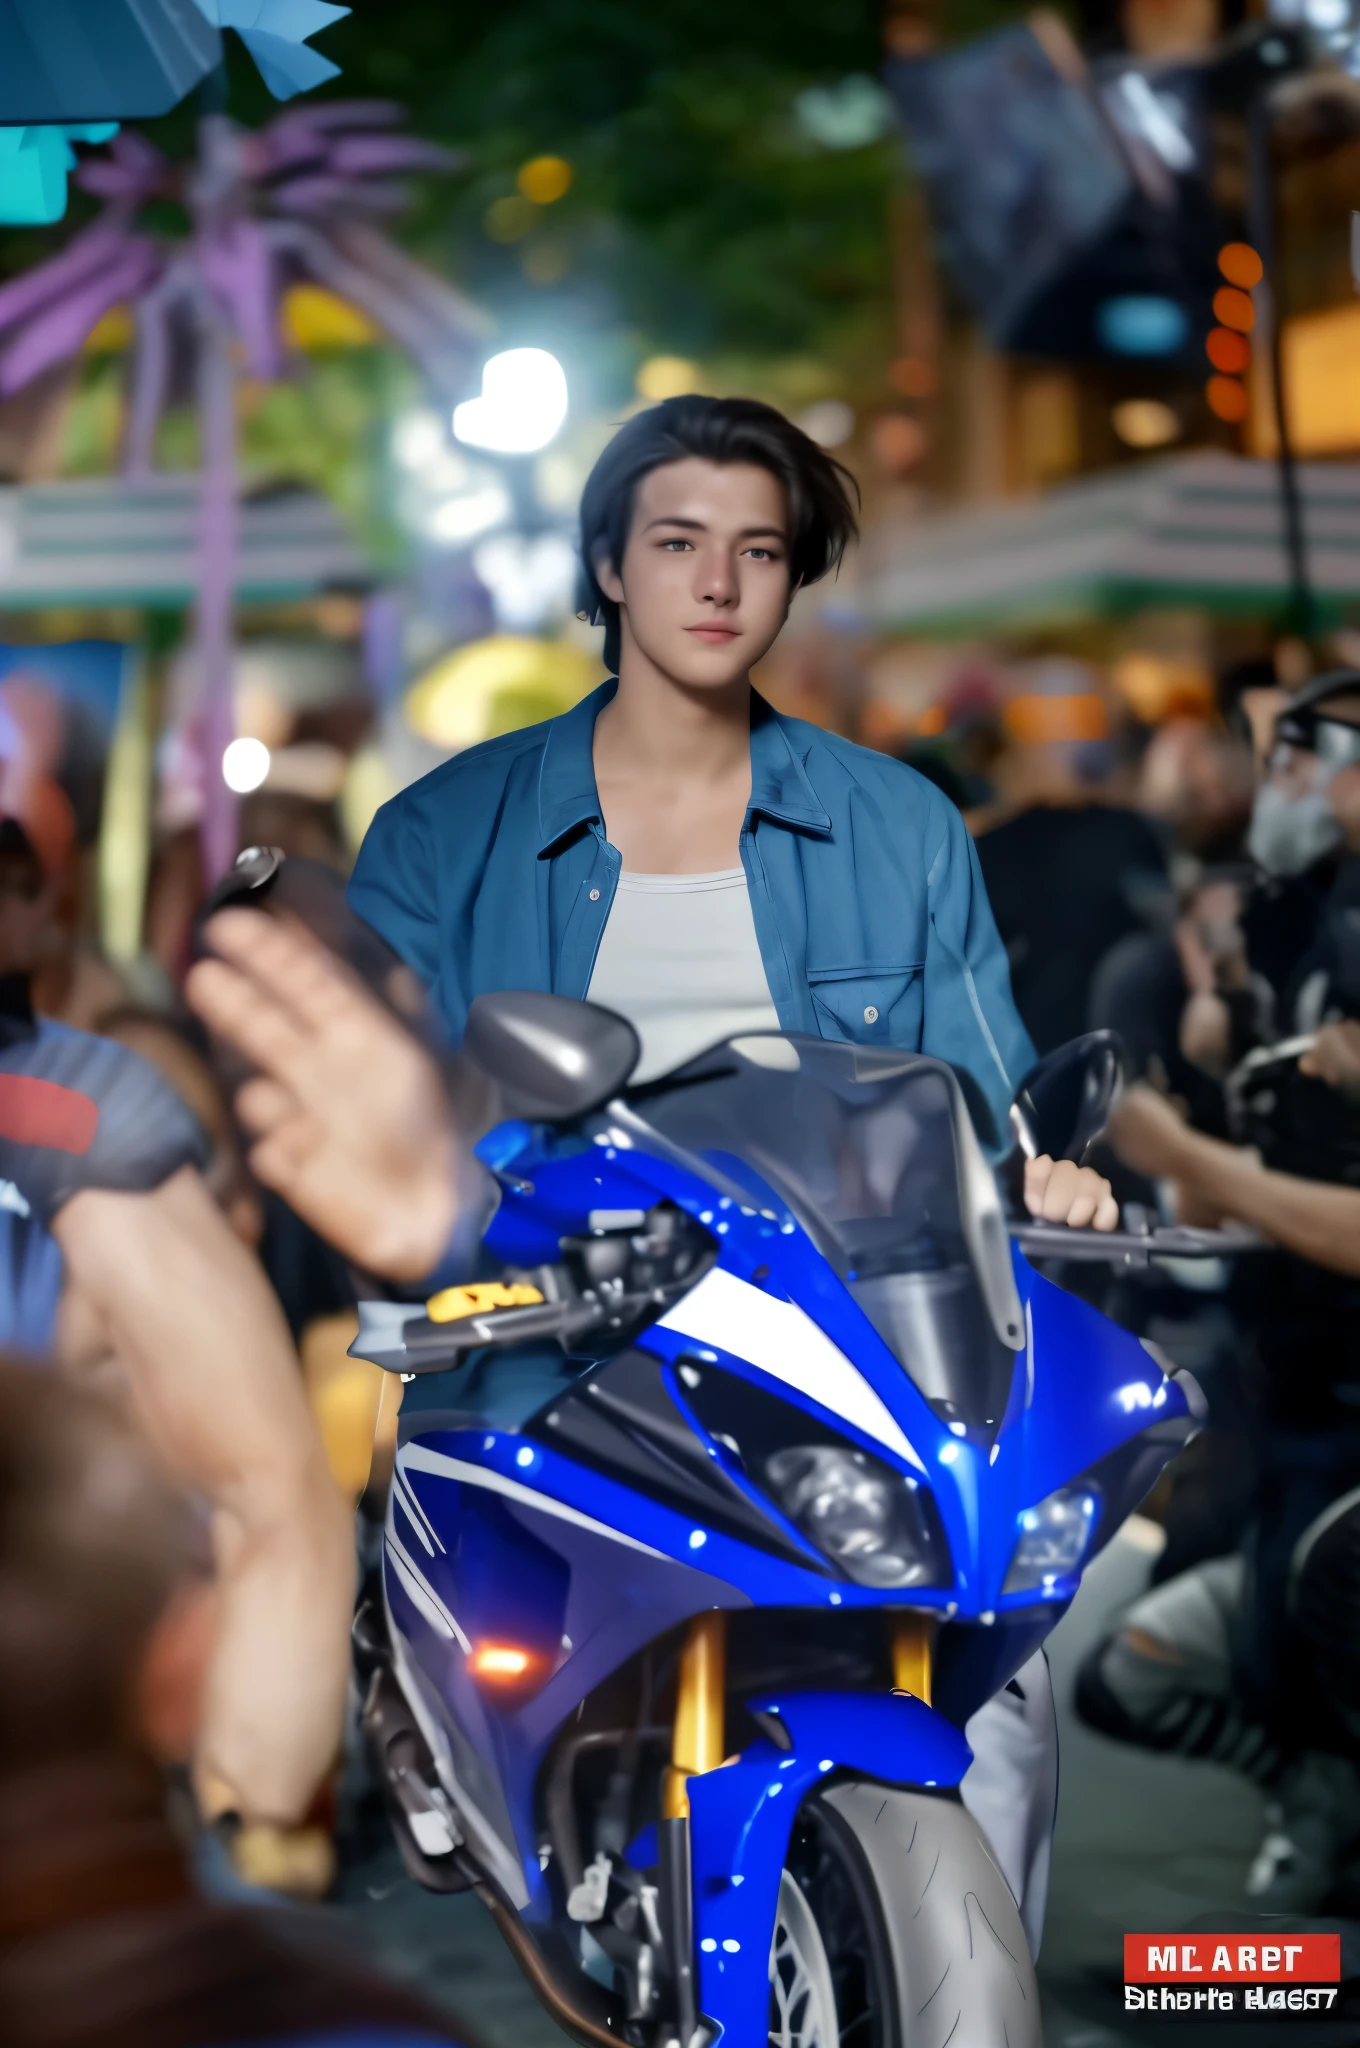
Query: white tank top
[(680, 960)]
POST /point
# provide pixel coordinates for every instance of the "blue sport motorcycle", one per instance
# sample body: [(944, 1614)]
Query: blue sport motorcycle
[(756, 1460)]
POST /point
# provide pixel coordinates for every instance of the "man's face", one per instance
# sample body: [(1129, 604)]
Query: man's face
[(704, 584), (1343, 790), (27, 908)]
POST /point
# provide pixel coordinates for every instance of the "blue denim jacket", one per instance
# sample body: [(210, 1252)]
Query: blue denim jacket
[(494, 873)]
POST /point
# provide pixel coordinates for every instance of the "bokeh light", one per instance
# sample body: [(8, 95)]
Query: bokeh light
[(1234, 309), (913, 376), (830, 422), (509, 219), (522, 405), (1227, 399), (1241, 265), (1145, 423), (245, 765), (545, 179), (1227, 351), (666, 377)]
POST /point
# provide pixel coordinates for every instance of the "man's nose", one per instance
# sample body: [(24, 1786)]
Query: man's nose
[(717, 578)]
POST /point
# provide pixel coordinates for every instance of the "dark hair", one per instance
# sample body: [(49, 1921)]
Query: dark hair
[(93, 1539), (822, 495)]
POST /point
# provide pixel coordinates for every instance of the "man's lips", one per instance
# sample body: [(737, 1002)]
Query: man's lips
[(714, 634)]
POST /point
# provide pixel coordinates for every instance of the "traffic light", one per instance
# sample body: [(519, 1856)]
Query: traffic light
[(1227, 345)]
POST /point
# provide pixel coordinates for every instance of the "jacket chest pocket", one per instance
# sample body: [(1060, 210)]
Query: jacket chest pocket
[(868, 1005)]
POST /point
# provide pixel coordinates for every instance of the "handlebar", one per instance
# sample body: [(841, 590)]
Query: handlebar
[(1137, 1245)]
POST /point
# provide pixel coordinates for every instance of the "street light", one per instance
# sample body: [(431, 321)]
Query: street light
[(522, 405)]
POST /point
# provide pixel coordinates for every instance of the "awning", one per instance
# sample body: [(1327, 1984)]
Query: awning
[(1191, 529), (105, 542)]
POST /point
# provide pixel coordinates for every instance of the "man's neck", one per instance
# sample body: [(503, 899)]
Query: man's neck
[(657, 727)]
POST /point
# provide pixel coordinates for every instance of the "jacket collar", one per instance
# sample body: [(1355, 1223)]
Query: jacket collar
[(567, 797)]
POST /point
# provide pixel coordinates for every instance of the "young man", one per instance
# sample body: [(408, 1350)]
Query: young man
[(678, 851)]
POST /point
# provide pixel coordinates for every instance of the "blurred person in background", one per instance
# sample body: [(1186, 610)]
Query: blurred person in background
[(1067, 874), (1297, 1312), (1199, 782), (118, 1262), (108, 1615)]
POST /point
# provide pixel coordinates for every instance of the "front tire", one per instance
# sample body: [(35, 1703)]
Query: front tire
[(917, 1930)]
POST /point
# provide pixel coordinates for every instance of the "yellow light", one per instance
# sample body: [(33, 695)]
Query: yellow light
[(500, 1663), (1321, 362), (510, 219), (666, 377), (315, 319), (498, 685), (112, 332), (1145, 423), (545, 179)]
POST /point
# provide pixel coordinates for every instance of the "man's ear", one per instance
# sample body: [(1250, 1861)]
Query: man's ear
[(607, 576)]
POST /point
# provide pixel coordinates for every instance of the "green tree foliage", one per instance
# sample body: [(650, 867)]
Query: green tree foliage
[(703, 218)]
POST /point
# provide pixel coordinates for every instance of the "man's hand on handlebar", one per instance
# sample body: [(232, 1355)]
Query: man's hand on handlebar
[(351, 1120), (1059, 1191)]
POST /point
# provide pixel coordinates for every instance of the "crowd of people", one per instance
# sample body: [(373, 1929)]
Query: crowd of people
[(194, 1194)]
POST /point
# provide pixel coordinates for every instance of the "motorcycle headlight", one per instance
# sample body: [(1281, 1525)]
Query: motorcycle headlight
[(1053, 1538), (871, 1521)]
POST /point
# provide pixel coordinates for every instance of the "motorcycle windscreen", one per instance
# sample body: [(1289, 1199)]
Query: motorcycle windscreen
[(861, 1146)]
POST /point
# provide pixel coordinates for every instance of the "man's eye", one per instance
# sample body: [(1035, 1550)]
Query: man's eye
[(675, 546)]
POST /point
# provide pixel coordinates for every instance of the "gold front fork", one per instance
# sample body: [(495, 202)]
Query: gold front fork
[(913, 1653), (697, 1740)]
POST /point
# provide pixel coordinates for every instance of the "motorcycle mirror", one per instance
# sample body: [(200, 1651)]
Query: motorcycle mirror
[(1063, 1104), (553, 1059)]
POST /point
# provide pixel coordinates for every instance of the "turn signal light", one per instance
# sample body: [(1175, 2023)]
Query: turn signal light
[(502, 1663)]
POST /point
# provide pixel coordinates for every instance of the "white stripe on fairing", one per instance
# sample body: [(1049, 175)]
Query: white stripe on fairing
[(424, 1527), (424, 1595), (406, 1498), (419, 1458), (784, 1342)]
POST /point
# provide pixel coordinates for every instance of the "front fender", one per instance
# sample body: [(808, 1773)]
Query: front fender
[(742, 1815)]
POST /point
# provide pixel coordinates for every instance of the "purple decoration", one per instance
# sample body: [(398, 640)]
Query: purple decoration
[(56, 333), (293, 201)]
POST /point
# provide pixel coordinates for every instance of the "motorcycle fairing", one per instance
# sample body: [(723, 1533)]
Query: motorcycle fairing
[(636, 1565), (741, 1818)]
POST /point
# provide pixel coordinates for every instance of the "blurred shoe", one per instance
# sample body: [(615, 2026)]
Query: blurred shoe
[(1309, 1833)]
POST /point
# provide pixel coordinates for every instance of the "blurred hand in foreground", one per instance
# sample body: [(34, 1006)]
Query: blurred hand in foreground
[(1059, 1191), (350, 1118)]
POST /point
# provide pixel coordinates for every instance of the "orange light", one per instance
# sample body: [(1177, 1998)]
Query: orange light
[(913, 376), (1234, 309), (1227, 398), (1241, 265), (500, 1663), (1227, 351), (1036, 720)]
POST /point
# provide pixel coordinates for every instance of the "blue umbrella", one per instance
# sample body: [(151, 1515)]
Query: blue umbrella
[(70, 68)]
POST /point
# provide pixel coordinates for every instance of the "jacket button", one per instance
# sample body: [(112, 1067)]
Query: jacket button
[(594, 895), (870, 1014)]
